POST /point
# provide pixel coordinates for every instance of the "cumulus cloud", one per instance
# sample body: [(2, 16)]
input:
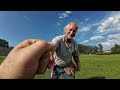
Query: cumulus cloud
[(112, 23), (87, 27), (85, 41), (96, 37), (84, 29), (95, 24), (111, 41), (87, 19), (115, 36), (106, 45), (68, 11), (109, 25), (64, 14), (115, 39), (58, 24)]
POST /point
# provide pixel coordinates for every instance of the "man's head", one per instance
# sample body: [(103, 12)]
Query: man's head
[(70, 30)]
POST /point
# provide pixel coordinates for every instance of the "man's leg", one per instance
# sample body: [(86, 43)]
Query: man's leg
[(54, 73)]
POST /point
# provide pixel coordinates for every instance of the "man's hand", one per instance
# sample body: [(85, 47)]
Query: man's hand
[(26, 59), (77, 61), (78, 67)]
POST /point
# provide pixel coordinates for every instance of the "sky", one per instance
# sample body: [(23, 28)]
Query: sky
[(95, 27)]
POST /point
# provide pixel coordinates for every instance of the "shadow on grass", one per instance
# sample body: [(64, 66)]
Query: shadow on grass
[(97, 77)]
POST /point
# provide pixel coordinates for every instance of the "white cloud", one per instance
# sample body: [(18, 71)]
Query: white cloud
[(111, 41), (107, 45), (112, 23), (96, 38), (114, 12), (85, 28), (68, 11), (58, 24), (87, 19), (60, 17), (95, 24), (114, 39), (85, 41), (115, 36), (64, 14)]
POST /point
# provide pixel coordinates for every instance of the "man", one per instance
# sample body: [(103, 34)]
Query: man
[(65, 48)]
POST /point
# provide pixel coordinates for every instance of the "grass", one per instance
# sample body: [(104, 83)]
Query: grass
[(92, 67), (99, 66), (2, 58)]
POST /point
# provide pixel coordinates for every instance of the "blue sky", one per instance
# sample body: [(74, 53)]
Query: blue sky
[(94, 26)]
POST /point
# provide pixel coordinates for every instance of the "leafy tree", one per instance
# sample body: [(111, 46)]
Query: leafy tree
[(100, 48), (115, 49), (4, 43), (87, 49)]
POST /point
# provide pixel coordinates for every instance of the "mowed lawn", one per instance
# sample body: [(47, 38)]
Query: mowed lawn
[(93, 67), (2, 58)]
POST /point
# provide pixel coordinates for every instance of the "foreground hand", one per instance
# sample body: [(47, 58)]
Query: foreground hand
[(26, 59)]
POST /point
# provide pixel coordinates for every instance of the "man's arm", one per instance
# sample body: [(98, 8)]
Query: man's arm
[(77, 62)]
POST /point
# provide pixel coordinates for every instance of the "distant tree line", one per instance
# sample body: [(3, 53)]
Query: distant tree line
[(98, 49), (88, 49)]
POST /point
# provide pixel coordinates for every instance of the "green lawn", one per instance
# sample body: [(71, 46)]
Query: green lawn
[(99, 66), (93, 67), (2, 58)]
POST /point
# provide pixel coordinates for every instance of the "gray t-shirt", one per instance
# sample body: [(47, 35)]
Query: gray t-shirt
[(63, 53)]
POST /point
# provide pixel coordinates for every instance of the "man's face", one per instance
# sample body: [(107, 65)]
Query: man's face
[(70, 32)]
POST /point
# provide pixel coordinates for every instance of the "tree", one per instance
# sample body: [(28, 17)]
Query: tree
[(100, 48), (115, 49), (87, 49), (4, 43), (95, 49)]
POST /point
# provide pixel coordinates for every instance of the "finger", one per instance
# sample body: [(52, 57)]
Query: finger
[(52, 45), (51, 61), (43, 64), (26, 43), (38, 49)]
